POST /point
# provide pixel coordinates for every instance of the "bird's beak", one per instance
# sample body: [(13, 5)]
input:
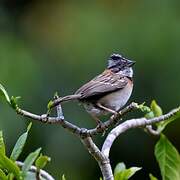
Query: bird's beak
[(130, 63)]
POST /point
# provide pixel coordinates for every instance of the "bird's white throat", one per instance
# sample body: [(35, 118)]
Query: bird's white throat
[(128, 72)]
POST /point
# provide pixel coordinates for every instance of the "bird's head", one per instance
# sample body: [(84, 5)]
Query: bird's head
[(119, 64)]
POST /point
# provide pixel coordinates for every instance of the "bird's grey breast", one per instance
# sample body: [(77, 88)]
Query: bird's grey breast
[(116, 100)]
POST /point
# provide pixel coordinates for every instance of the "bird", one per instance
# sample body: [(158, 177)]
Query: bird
[(108, 92)]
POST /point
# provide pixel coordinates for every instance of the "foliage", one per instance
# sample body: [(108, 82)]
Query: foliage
[(41, 161), (11, 101), (155, 111), (152, 177), (20, 145), (63, 177), (121, 173), (168, 159), (9, 168), (166, 154), (4, 94)]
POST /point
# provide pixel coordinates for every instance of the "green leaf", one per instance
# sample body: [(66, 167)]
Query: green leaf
[(29, 126), (29, 161), (3, 175), (149, 115), (168, 159), (121, 173), (156, 109), (10, 176), (144, 108), (162, 125), (18, 148), (50, 103), (42, 161), (2, 145), (9, 165), (152, 177), (4, 94), (63, 177), (119, 168), (14, 101), (11, 101)]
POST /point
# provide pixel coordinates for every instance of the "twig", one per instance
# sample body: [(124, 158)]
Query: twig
[(151, 131), (50, 120), (33, 169), (113, 119), (59, 108), (72, 127)]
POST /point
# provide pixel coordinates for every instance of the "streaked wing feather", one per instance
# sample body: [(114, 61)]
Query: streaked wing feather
[(101, 84)]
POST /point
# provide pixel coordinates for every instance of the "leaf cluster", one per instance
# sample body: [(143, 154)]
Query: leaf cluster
[(9, 167)]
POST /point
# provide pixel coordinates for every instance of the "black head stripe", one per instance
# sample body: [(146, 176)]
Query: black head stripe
[(115, 56), (117, 61)]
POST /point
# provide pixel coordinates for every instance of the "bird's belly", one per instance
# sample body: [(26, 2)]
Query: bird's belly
[(93, 110), (118, 99)]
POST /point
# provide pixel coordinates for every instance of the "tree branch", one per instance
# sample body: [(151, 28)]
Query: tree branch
[(104, 162), (44, 118), (102, 157), (133, 123), (114, 119), (33, 169)]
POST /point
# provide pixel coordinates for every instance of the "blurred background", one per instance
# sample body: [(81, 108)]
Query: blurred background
[(49, 46)]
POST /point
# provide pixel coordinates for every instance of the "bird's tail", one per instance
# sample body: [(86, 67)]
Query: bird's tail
[(64, 99)]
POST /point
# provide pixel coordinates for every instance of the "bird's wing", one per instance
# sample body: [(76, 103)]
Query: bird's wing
[(102, 84)]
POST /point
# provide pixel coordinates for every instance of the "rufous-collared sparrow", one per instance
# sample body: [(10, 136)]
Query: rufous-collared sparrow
[(107, 92)]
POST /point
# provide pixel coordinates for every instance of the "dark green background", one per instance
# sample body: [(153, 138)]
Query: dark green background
[(48, 46)]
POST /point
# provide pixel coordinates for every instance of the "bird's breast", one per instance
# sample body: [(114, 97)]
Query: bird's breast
[(116, 100)]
